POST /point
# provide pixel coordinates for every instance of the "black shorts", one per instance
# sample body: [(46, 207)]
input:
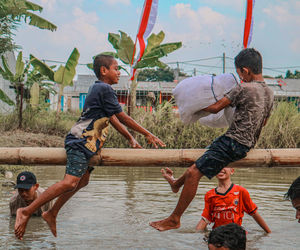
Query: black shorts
[(220, 153)]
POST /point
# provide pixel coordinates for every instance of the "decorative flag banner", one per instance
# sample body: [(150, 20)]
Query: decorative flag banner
[(248, 23), (146, 25)]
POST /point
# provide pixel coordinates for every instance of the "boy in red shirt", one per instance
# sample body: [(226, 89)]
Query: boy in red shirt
[(227, 203)]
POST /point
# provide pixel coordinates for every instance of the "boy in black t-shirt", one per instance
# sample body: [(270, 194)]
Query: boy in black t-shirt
[(83, 141)]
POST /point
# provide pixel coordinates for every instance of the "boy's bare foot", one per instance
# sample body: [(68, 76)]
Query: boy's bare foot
[(168, 175), (51, 221), (166, 224), (21, 222)]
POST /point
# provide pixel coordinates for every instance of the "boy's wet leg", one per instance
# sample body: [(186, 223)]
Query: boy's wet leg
[(50, 215), (191, 180), (175, 184)]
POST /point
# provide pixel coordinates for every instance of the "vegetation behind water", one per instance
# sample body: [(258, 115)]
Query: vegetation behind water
[(281, 131)]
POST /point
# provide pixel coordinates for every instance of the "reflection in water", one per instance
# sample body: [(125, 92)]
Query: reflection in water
[(114, 210)]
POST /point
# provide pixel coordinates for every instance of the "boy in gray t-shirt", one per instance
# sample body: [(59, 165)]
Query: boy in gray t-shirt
[(253, 101)]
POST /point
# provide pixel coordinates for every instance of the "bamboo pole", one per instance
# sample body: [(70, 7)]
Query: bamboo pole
[(147, 157)]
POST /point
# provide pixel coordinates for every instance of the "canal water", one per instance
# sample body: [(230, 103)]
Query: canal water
[(114, 210)]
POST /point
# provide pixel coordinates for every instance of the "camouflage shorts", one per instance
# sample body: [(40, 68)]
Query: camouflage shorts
[(77, 163)]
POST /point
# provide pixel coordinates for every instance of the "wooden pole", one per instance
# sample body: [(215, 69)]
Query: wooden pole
[(147, 157)]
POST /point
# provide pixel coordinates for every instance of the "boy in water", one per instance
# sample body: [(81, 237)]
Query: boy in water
[(253, 100), (227, 237), (227, 203), (293, 194), (28, 191), (84, 140)]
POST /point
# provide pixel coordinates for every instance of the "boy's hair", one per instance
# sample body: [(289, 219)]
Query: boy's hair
[(231, 236), (249, 58), (294, 190), (102, 60)]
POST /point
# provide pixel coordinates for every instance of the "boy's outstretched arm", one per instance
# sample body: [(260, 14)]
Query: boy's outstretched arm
[(123, 131), (260, 221), (129, 122), (201, 225), (218, 106)]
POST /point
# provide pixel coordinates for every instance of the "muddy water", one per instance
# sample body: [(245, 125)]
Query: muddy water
[(114, 210)]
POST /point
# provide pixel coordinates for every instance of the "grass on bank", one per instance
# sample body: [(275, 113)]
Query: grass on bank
[(281, 131)]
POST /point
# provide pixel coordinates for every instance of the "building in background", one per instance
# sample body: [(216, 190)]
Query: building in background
[(153, 93), (285, 90), (148, 93)]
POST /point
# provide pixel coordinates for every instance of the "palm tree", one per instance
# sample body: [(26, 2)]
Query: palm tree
[(63, 76), (124, 47), (21, 81), (12, 13)]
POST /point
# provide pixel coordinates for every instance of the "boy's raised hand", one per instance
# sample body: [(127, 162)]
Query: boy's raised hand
[(152, 139)]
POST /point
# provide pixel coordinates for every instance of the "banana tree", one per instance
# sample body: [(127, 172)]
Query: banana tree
[(16, 81), (12, 12), (124, 47), (63, 76), (36, 83), (22, 81)]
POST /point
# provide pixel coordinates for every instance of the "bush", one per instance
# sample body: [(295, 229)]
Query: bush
[(281, 131), (40, 121)]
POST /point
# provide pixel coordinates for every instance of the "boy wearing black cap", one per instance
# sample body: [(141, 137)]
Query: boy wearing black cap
[(28, 191)]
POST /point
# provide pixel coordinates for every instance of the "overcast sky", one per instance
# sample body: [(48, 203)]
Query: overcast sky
[(207, 28)]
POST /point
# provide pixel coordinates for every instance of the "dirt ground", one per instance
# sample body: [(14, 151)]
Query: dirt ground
[(20, 138)]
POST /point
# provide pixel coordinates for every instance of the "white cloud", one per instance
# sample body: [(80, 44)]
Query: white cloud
[(283, 14), (48, 4), (82, 33), (112, 2), (201, 24), (262, 25), (295, 45), (236, 4)]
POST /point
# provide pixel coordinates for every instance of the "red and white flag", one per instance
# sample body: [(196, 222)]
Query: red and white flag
[(146, 25), (248, 23)]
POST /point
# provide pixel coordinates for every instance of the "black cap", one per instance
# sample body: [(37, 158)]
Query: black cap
[(25, 180)]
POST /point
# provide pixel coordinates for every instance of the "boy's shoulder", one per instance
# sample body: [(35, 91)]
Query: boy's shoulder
[(211, 193), (238, 188), (14, 198), (101, 85), (234, 188)]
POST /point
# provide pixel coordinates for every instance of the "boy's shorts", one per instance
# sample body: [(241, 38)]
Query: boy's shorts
[(220, 153), (77, 163)]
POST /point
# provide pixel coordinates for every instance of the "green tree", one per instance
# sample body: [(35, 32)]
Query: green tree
[(12, 13), (22, 81), (157, 74), (297, 74), (290, 75), (124, 47), (63, 76)]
